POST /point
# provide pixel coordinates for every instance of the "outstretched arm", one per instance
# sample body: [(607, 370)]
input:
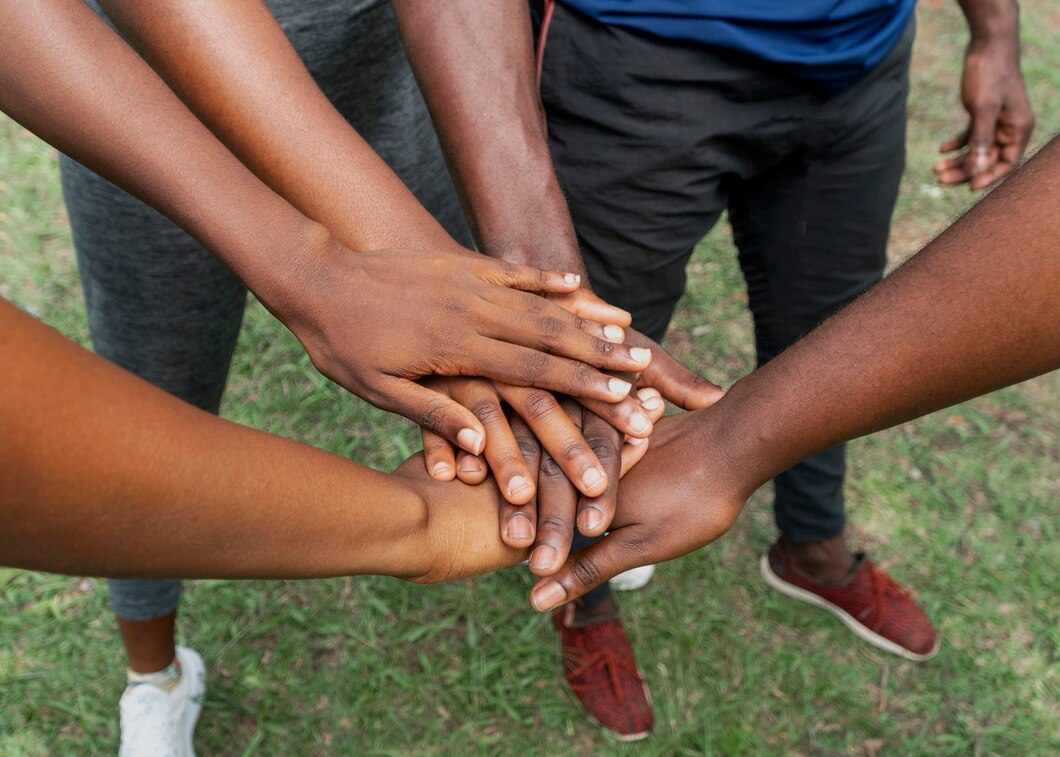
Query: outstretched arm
[(976, 310), (66, 76), (89, 453)]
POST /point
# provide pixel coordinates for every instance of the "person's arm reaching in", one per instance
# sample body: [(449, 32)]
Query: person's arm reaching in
[(89, 452), (475, 65), (1000, 119), (67, 77), (976, 310)]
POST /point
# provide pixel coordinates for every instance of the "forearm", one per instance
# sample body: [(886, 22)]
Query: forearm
[(68, 78), (105, 474), (976, 310), (475, 64), (233, 66)]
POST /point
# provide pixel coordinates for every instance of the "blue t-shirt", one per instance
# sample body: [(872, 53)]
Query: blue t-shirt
[(830, 42)]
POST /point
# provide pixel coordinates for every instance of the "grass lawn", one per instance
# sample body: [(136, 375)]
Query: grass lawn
[(961, 505)]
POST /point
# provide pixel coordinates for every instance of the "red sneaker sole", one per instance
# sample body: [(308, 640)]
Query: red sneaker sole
[(866, 634)]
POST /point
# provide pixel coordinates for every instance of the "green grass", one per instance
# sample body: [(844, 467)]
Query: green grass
[(961, 505)]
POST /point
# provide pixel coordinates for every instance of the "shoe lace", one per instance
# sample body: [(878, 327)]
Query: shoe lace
[(883, 586), (580, 664)]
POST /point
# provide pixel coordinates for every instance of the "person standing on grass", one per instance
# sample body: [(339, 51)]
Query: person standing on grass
[(640, 125), (411, 303)]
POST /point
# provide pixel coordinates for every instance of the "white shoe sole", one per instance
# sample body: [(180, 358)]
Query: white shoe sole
[(866, 634), (191, 664), (633, 579)]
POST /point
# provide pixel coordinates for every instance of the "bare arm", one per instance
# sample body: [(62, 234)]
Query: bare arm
[(976, 310), (89, 453), (66, 76), (233, 66)]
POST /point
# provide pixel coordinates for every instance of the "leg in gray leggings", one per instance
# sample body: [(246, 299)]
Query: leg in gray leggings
[(164, 308)]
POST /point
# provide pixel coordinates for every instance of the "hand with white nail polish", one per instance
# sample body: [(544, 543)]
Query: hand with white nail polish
[(378, 322)]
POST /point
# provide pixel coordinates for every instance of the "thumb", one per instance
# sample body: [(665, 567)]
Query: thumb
[(590, 568), (435, 412)]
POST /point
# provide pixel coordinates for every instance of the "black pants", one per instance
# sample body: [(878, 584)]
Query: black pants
[(653, 139)]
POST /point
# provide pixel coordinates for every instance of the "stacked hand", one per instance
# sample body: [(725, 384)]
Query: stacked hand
[(556, 460), (378, 322)]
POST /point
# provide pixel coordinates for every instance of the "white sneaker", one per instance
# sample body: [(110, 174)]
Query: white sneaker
[(631, 580), (157, 723)]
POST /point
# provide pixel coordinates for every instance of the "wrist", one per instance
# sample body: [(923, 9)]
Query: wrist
[(995, 23)]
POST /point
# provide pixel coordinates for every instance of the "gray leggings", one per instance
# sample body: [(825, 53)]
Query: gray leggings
[(163, 307)]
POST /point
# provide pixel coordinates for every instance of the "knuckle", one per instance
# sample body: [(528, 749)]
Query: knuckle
[(604, 348), (585, 571), (574, 449), (553, 523), (487, 411), (605, 449), (533, 304), (583, 377), (434, 416), (550, 328), (534, 365), (528, 448), (550, 469), (539, 405)]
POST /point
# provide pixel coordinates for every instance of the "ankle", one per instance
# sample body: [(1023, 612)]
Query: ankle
[(829, 561)]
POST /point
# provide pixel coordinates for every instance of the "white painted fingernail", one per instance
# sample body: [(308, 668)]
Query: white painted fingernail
[(470, 440), (592, 478), (618, 386), (640, 423), (635, 441), (640, 354), (517, 484), (647, 392), (571, 278), (614, 333), (652, 403)]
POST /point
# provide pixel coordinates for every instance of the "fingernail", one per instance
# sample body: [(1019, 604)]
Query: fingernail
[(640, 423), (618, 386), (647, 393), (517, 484), (571, 278), (640, 354), (614, 333), (470, 440), (519, 527), (441, 470), (547, 595), (652, 403), (469, 465), (544, 557), (590, 519), (636, 441), (982, 160), (592, 478)]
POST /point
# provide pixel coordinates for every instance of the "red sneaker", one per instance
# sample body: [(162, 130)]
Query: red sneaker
[(870, 603), (603, 675)]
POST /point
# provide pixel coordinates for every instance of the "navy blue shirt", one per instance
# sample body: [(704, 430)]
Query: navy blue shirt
[(830, 42)]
